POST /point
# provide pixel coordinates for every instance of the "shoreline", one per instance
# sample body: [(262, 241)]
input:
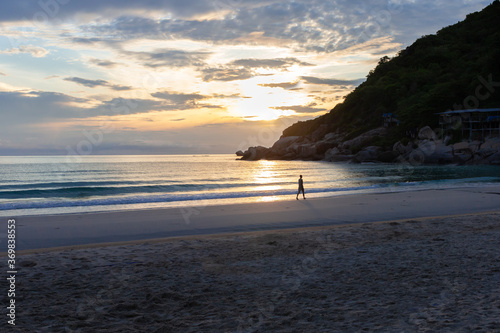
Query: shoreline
[(252, 199), (48, 231)]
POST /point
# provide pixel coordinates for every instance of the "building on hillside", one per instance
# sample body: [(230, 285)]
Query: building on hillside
[(474, 123), (390, 120)]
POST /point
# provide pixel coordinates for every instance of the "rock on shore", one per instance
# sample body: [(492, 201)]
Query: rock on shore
[(426, 148)]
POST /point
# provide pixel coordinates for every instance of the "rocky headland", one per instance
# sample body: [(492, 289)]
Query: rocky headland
[(428, 147)]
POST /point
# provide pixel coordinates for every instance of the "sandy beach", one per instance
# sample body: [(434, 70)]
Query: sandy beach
[(428, 269)]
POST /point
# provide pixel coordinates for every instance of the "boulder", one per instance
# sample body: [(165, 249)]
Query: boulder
[(255, 153), (401, 149), (306, 151), (494, 159), (323, 146), (331, 152), (368, 154), (333, 137), (491, 143), (335, 155), (281, 146), (460, 147), (426, 133), (364, 138), (388, 156), (462, 158), (437, 153)]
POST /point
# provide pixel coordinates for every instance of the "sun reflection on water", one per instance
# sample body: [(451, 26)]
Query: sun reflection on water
[(266, 177), (265, 173)]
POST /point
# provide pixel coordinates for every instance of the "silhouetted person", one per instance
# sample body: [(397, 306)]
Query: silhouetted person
[(301, 188)]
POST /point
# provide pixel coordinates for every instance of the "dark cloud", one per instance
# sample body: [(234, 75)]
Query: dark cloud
[(284, 85), (331, 82), (300, 108), (20, 108), (226, 74), (126, 106), (243, 69), (87, 83), (169, 58), (58, 10), (36, 107), (233, 96), (269, 63), (87, 41), (316, 25), (103, 63), (179, 98), (180, 101), (313, 25), (96, 83)]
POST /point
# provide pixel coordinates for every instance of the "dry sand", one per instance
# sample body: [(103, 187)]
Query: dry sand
[(413, 275)]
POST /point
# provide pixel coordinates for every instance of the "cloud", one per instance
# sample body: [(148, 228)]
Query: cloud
[(331, 82), (58, 10), (38, 107), (87, 41), (3, 74), (96, 83), (182, 101), (226, 74), (22, 108), (87, 83), (300, 108), (34, 51), (310, 25), (126, 106), (284, 85), (242, 69), (169, 58), (103, 63), (269, 63), (178, 97), (306, 25)]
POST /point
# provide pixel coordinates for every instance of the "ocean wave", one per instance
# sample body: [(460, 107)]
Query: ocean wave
[(94, 189), (142, 199)]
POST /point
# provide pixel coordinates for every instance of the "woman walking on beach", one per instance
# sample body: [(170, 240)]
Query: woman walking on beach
[(301, 188)]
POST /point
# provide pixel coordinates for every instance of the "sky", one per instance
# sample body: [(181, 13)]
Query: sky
[(187, 76)]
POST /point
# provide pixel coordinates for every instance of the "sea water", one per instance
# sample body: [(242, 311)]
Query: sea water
[(59, 184)]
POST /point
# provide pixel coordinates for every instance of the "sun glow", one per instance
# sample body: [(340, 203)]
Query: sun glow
[(260, 103)]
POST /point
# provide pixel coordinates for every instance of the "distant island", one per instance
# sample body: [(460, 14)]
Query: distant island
[(436, 102)]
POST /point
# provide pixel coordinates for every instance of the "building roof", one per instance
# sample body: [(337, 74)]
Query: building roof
[(470, 110)]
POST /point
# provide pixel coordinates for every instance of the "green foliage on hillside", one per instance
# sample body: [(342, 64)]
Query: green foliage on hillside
[(435, 74)]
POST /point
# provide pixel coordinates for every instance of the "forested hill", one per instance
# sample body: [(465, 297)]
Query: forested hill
[(437, 73)]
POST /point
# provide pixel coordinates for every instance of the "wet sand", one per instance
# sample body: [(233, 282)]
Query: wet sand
[(45, 231)]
